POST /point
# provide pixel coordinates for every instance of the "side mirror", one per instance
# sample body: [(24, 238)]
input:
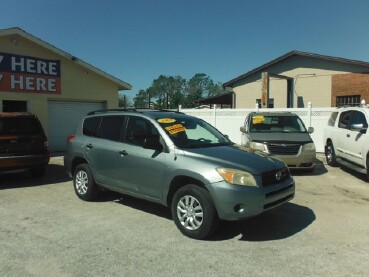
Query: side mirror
[(310, 130), (153, 143), (359, 127), (243, 129)]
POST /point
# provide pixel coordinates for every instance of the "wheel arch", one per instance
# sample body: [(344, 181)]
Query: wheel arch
[(76, 162), (178, 182)]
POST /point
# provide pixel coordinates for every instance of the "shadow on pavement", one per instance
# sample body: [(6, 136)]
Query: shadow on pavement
[(279, 223), (318, 170), (135, 203), (54, 174)]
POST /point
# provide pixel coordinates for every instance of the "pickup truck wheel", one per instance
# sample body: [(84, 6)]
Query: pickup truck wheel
[(193, 212), (330, 155), (84, 183)]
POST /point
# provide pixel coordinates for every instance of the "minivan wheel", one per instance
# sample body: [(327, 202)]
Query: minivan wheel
[(193, 212), (330, 155), (84, 183)]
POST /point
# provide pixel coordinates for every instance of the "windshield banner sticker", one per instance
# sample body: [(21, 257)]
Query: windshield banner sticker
[(257, 119), (174, 129), (166, 120)]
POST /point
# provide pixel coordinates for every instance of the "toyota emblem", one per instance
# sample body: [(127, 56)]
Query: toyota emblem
[(278, 175)]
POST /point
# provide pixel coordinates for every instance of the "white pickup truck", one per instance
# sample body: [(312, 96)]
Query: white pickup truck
[(346, 139)]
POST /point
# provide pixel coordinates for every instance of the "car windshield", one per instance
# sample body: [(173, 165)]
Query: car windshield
[(277, 124), (13, 126), (192, 132)]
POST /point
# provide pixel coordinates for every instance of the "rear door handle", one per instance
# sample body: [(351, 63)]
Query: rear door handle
[(89, 146), (348, 135), (123, 153)]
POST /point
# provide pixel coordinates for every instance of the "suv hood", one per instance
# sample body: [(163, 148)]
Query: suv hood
[(285, 137), (237, 157)]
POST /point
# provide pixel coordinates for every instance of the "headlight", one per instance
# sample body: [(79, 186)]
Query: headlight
[(259, 146), (237, 177), (309, 146)]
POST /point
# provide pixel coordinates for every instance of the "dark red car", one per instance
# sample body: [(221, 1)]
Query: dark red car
[(23, 144)]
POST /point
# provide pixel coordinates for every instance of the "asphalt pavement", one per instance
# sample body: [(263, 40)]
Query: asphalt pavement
[(47, 231)]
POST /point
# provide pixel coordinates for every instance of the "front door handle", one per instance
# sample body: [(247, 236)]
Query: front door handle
[(348, 135), (89, 146), (123, 153)]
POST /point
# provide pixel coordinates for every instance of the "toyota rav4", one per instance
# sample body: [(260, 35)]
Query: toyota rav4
[(176, 160)]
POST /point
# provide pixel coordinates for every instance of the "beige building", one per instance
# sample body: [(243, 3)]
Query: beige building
[(59, 88), (297, 78)]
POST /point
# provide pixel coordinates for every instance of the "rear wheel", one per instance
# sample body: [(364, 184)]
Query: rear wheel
[(193, 212), (84, 183), (367, 169), (330, 155)]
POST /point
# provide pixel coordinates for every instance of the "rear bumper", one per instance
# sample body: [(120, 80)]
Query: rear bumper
[(24, 162)]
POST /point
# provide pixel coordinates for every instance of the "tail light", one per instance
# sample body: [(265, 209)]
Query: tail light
[(71, 137)]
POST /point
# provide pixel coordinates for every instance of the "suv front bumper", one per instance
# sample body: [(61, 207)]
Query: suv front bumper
[(234, 202)]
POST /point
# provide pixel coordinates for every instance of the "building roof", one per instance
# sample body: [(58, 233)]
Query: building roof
[(17, 31), (292, 54)]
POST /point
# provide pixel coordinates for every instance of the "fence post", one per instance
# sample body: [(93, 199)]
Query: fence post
[(310, 112)]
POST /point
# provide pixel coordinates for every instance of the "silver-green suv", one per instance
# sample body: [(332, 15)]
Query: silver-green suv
[(176, 160)]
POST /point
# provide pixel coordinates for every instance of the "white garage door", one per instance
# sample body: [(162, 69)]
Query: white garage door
[(63, 120)]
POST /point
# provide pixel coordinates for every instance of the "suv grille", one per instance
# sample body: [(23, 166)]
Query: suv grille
[(270, 178), (284, 149)]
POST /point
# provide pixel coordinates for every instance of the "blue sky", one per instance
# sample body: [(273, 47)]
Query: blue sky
[(138, 40)]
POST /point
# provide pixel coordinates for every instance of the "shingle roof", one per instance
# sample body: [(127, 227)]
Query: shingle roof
[(289, 55)]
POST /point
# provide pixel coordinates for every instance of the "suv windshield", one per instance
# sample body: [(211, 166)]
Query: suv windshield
[(273, 123), (18, 125), (191, 132)]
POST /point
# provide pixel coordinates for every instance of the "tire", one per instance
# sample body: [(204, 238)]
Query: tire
[(84, 183), (37, 172), (193, 212), (330, 155), (367, 169)]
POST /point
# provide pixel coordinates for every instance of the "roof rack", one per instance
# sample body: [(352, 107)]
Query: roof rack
[(132, 110), (112, 110)]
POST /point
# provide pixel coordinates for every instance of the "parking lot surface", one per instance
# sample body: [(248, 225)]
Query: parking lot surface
[(47, 231)]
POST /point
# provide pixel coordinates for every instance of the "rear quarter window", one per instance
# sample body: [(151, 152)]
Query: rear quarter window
[(91, 126), (332, 118)]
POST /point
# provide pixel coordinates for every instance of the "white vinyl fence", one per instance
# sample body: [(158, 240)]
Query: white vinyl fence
[(229, 121)]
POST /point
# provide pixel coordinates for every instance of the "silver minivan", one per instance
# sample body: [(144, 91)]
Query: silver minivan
[(281, 134)]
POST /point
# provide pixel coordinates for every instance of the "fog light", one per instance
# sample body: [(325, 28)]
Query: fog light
[(239, 208)]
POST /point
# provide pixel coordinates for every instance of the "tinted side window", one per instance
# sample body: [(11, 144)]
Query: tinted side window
[(345, 119), (138, 129), (91, 126), (111, 127), (359, 118)]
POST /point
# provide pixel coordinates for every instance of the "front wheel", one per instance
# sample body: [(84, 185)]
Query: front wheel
[(193, 212), (84, 183), (330, 155)]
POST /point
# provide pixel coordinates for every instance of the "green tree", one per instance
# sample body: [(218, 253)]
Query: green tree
[(200, 86), (142, 99), (124, 101), (168, 91)]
